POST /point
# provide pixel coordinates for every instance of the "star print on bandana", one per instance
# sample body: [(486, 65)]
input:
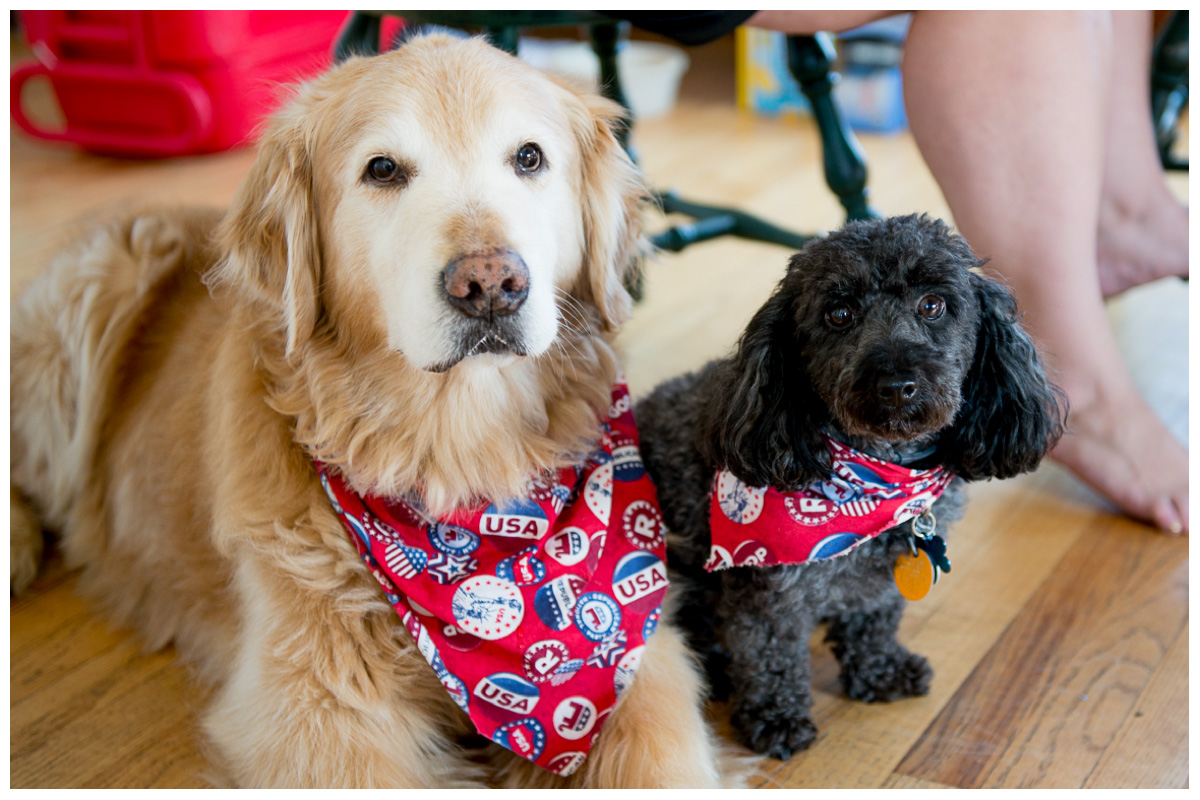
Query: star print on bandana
[(532, 612), (607, 654), (762, 526), (447, 569)]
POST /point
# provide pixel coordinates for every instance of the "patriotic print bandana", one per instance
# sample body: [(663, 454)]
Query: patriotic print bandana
[(762, 526), (533, 613)]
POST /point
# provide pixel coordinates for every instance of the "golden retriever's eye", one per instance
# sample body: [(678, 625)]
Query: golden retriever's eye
[(382, 169), (931, 307), (839, 318), (529, 159)]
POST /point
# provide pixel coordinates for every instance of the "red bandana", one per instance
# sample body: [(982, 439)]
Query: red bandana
[(760, 526), (534, 613)]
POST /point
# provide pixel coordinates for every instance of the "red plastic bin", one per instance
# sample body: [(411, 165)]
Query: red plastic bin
[(168, 83)]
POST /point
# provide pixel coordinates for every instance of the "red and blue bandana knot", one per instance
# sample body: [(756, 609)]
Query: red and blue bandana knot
[(864, 496), (533, 613)]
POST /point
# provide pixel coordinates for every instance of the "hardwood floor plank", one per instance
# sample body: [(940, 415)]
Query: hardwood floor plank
[(48, 634), (1050, 696), (114, 716), (1150, 749), (906, 782)]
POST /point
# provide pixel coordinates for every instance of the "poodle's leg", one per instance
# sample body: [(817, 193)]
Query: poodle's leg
[(696, 600), (328, 696), (766, 628), (875, 667)]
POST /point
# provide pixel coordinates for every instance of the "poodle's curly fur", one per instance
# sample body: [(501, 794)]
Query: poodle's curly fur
[(844, 322)]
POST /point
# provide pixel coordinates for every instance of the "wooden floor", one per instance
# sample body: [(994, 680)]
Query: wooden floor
[(1060, 641)]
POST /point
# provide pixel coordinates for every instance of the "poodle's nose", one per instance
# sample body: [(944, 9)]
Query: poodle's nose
[(486, 285), (896, 390)]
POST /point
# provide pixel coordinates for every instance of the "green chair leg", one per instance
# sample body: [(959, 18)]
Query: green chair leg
[(810, 60)]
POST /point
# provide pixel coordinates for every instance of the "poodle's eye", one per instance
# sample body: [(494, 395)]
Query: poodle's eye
[(839, 318), (382, 169), (528, 159), (931, 307)]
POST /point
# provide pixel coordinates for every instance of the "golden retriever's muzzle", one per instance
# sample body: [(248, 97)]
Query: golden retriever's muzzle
[(488, 288)]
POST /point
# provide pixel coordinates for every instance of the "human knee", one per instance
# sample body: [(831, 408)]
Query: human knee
[(809, 22)]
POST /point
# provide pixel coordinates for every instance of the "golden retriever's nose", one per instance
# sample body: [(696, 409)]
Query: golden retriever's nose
[(487, 285)]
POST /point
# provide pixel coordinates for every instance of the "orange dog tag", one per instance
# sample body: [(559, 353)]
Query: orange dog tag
[(915, 575)]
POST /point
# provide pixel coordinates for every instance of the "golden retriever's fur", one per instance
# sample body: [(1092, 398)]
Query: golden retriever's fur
[(174, 375)]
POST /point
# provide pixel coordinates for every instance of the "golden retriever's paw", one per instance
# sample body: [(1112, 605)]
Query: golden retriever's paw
[(739, 768), (25, 544)]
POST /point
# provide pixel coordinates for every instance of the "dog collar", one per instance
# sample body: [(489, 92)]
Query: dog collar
[(533, 614), (915, 460), (864, 496)]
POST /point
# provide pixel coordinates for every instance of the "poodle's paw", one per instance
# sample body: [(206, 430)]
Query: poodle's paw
[(883, 679), (770, 731)]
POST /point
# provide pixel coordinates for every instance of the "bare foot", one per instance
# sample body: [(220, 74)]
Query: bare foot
[(1139, 245), (1126, 453)]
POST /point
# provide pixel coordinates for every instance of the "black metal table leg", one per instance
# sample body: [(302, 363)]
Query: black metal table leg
[(714, 221), (359, 36), (504, 37), (810, 60), (607, 39), (1169, 86)]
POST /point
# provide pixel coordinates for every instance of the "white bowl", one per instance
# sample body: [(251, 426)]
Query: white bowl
[(650, 71)]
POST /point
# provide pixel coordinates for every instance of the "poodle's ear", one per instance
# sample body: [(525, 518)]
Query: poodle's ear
[(1011, 414), (611, 193), (270, 238), (764, 420)]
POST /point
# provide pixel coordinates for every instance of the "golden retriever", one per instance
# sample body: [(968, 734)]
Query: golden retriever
[(175, 375)]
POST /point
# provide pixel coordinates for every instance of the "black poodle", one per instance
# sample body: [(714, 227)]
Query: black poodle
[(883, 342)]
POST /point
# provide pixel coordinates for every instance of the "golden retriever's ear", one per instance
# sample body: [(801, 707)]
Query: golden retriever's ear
[(270, 235), (612, 192)]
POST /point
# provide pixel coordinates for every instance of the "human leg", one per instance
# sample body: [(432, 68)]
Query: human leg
[(1009, 111), (1143, 231), (809, 22)]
